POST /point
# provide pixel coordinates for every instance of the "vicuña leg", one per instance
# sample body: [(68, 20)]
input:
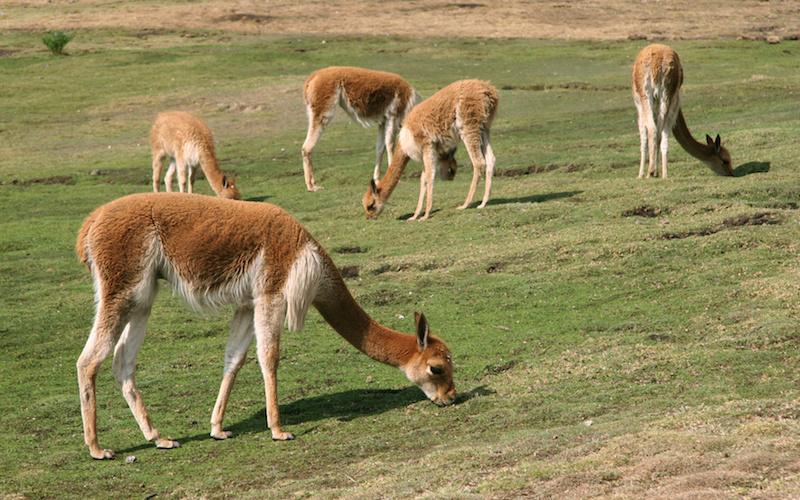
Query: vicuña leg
[(268, 318), (426, 182), (191, 169), (180, 166), (642, 140), (124, 370), (158, 156), (380, 148), (488, 154), (473, 145), (169, 175), (239, 341), (317, 120), (107, 327), (664, 151)]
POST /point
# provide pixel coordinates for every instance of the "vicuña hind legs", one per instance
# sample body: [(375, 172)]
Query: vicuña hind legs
[(268, 318), (235, 352)]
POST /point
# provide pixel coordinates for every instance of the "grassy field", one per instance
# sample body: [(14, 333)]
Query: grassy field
[(610, 335)]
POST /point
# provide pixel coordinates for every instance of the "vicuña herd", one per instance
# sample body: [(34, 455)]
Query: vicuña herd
[(261, 260)]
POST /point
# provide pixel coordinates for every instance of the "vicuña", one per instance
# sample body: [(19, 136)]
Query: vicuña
[(464, 111), (185, 138), (367, 96), (657, 80), (215, 252)]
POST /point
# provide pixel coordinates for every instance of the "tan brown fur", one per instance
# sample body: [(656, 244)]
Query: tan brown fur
[(216, 252), (462, 111), (188, 140), (657, 77), (368, 96)]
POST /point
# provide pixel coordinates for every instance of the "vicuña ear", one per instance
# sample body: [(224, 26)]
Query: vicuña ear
[(224, 182), (422, 330), (717, 144), (709, 140), (373, 186)]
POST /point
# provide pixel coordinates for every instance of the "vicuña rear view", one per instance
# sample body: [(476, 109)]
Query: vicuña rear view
[(215, 252)]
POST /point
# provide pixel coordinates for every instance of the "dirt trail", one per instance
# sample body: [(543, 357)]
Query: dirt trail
[(564, 19)]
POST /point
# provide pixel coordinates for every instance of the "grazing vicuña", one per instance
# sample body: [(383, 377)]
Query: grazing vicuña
[(188, 140), (367, 96), (215, 252), (657, 80), (463, 111)]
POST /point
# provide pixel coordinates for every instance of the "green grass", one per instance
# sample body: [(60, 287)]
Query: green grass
[(682, 352)]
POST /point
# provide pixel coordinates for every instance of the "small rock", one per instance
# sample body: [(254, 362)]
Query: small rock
[(369, 379), (130, 459), (773, 39), (588, 423)]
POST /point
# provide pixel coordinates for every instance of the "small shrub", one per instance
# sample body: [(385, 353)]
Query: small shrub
[(56, 41)]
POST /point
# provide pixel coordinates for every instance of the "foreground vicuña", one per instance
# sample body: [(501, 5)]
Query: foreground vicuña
[(215, 252)]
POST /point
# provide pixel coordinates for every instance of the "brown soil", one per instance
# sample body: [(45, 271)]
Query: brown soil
[(757, 219), (561, 19)]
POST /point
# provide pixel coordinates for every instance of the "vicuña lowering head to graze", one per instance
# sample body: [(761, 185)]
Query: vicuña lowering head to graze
[(215, 252), (657, 80), (188, 140), (367, 96), (464, 111)]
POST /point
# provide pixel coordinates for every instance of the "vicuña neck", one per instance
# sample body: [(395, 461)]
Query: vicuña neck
[(697, 149), (392, 176), (341, 311), (212, 172)]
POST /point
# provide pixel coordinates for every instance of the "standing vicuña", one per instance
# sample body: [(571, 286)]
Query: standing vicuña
[(657, 80), (215, 252), (367, 96), (463, 110), (188, 140)]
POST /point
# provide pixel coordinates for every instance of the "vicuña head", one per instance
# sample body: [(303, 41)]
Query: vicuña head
[(431, 368), (720, 162), (229, 189), (372, 202)]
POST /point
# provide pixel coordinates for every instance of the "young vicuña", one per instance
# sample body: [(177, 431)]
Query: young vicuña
[(367, 96), (657, 80), (464, 111), (188, 140), (215, 252)]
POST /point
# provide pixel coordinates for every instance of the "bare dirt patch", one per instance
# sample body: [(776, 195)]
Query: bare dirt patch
[(350, 249), (553, 19), (56, 179), (757, 219), (644, 211), (349, 272), (537, 169)]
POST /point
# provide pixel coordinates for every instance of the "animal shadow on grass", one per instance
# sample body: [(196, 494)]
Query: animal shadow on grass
[(751, 167), (408, 215), (344, 406), (534, 198), (258, 198)]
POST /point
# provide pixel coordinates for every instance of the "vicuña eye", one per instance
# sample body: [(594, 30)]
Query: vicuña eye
[(437, 370)]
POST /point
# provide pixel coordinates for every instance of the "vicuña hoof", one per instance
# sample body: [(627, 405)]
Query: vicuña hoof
[(101, 454), (220, 435), (282, 436), (167, 444)]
